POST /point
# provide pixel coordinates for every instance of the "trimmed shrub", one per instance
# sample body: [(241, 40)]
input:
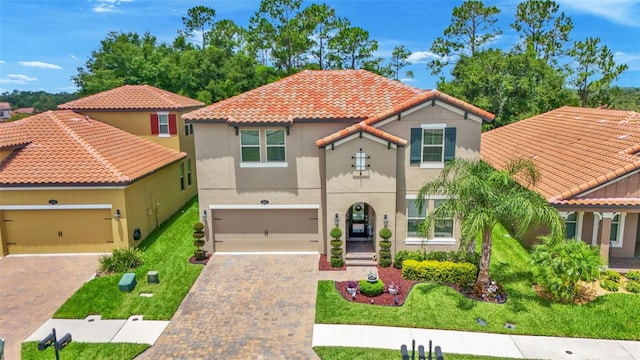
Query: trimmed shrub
[(384, 263), (385, 233), (437, 256), (385, 244), (633, 287), (121, 260), (446, 272), (633, 275), (336, 243), (612, 275), (402, 255), (336, 233), (371, 289), (385, 254), (337, 262), (336, 251), (609, 285), (461, 256)]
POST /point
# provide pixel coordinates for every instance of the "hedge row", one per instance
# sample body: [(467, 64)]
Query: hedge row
[(446, 272)]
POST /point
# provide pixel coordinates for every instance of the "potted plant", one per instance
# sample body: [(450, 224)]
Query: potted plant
[(336, 248), (384, 260), (393, 288), (352, 288), (198, 234)]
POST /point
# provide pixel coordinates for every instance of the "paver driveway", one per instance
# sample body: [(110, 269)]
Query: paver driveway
[(32, 288), (246, 307)]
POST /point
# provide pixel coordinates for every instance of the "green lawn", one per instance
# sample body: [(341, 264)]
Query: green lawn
[(91, 351), (613, 316), (166, 250), (347, 353)]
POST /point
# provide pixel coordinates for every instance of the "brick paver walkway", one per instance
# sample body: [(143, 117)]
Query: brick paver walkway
[(32, 288), (247, 307)]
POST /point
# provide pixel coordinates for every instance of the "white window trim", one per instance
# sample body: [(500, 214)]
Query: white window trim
[(160, 133), (579, 216), (432, 164), (263, 163), (618, 243), (425, 241)]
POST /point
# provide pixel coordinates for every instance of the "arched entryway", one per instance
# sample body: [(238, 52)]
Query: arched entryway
[(360, 227)]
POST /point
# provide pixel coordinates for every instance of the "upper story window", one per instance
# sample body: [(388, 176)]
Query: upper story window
[(163, 124), (262, 148), (182, 176), (432, 145), (188, 129)]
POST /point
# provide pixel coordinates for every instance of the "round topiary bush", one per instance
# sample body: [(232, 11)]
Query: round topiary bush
[(336, 251), (336, 243), (384, 263), (385, 254), (337, 262), (385, 233), (385, 244), (633, 287), (371, 289), (336, 233)]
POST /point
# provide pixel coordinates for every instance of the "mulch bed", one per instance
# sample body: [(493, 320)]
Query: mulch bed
[(323, 265), (387, 275)]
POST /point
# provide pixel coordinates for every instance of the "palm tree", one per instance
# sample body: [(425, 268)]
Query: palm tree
[(480, 197)]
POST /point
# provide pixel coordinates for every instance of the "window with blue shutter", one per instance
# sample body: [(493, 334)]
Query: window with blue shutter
[(432, 145), (416, 146), (449, 143)]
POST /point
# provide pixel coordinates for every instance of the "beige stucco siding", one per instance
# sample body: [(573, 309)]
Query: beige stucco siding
[(628, 186)]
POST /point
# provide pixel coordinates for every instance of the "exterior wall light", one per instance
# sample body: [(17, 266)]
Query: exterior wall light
[(204, 215), (337, 220), (385, 220), (264, 202), (117, 215)]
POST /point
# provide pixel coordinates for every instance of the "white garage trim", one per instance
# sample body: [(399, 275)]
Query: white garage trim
[(56, 207), (264, 207)]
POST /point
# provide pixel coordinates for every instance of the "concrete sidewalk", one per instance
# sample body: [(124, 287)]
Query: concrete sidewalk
[(460, 342), (95, 330)]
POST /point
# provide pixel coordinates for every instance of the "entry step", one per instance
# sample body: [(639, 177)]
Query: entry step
[(360, 259)]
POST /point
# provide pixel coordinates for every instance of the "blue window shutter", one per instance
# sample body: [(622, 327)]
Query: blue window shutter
[(415, 156), (449, 143)]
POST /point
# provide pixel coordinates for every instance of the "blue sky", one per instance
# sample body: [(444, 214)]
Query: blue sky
[(43, 42)]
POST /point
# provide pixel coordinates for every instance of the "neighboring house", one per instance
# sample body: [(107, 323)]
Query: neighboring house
[(281, 165), (25, 110), (5, 111), (151, 113), (70, 183), (589, 161)]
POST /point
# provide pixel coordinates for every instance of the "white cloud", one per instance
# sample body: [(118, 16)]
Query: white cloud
[(632, 60), (622, 12), (73, 56), (405, 80), (109, 6), (68, 88), (1, 62), (17, 79), (40, 64), (422, 57)]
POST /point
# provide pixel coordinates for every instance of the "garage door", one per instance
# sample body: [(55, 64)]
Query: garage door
[(57, 231), (267, 230)]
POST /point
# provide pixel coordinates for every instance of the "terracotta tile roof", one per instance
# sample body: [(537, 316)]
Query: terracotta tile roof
[(311, 94), (575, 149), (24, 110), (132, 97), (361, 126), (418, 99), (66, 148), (600, 202)]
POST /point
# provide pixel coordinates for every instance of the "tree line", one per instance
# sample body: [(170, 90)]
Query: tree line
[(212, 59)]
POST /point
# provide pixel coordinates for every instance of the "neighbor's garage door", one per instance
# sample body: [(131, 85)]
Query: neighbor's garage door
[(266, 230), (57, 231)]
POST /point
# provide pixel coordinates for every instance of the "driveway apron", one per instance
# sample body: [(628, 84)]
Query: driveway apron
[(245, 307), (32, 288)]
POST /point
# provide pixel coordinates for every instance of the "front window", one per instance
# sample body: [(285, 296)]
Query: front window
[(415, 217), (250, 144), (263, 148), (443, 227), (571, 226), (432, 145), (163, 124)]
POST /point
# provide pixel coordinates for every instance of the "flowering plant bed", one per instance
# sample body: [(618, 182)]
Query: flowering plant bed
[(388, 275)]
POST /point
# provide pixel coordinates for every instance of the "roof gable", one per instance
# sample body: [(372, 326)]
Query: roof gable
[(132, 97), (66, 148), (576, 149)]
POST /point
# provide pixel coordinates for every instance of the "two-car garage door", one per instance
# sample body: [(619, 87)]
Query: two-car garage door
[(57, 231), (265, 229)]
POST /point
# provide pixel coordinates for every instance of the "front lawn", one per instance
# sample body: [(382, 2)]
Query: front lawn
[(91, 351), (613, 316), (166, 250), (347, 353)]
